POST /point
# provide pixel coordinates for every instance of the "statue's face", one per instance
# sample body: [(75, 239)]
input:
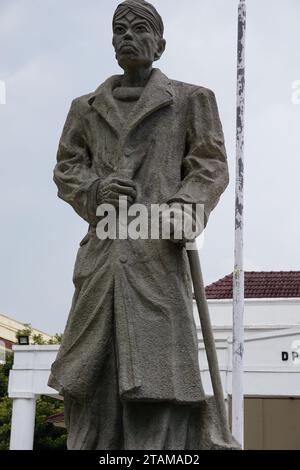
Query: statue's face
[(135, 42)]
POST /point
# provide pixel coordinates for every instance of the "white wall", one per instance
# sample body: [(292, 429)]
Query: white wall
[(261, 315)]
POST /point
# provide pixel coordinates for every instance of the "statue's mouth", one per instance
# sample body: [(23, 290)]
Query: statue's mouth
[(127, 48)]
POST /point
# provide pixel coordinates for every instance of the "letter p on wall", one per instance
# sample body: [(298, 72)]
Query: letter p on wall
[(296, 352), (2, 92)]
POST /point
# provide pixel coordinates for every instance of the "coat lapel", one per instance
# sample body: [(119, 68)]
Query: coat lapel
[(156, 95), (102, 100)]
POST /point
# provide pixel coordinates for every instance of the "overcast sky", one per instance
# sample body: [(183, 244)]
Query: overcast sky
[(55, 50)]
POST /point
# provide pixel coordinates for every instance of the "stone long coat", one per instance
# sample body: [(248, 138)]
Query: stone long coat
[(137, 292)]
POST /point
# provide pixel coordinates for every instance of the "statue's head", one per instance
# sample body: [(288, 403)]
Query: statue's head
[(137, 34)]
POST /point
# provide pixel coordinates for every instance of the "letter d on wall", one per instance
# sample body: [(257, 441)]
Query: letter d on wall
[(285, 356)]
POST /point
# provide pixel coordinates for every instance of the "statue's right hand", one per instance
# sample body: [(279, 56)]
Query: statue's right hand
[(113, 187)]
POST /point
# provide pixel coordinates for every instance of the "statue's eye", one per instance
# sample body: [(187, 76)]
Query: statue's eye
[(119, 30), (140, 29)]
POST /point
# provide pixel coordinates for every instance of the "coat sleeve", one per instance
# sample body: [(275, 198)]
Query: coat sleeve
[(76, 181), (204, 169)]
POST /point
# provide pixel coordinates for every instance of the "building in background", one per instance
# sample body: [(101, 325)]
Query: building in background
[(272, 303), (8, 330), (272, 354)]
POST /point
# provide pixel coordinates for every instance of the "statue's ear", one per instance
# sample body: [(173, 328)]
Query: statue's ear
[(161, 45)]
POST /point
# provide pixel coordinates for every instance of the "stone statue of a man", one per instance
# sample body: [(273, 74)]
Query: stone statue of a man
[(128, 363)]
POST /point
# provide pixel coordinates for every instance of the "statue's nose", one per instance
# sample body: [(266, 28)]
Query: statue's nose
[(128, 34)]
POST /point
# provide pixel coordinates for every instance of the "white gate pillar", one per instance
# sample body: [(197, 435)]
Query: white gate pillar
[(22, 423), (27, 381)]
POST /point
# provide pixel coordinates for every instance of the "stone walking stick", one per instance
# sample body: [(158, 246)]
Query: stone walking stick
[(208, 338)]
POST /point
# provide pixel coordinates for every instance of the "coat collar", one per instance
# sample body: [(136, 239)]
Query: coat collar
[(157, 94)]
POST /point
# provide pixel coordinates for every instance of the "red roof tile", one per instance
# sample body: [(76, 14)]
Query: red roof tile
[(8, 344), (57, 418), (265, 284)]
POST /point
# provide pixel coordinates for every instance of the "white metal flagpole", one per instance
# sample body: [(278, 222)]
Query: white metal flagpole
[(238, 275)]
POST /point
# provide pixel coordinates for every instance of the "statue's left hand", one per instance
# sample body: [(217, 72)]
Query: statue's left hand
[(181, 222), (113, 187)]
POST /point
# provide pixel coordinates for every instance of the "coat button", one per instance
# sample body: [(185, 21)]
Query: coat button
[(127, 152), (123, 259)]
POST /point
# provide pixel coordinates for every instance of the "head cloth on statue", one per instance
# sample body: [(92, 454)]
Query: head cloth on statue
[(142, 9)]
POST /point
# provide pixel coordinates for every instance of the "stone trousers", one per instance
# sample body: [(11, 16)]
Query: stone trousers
[(107, 423)]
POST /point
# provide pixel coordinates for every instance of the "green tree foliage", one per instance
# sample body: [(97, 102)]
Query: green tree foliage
[(5, 403), (5, 417), (47, 436), (4, 373)]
